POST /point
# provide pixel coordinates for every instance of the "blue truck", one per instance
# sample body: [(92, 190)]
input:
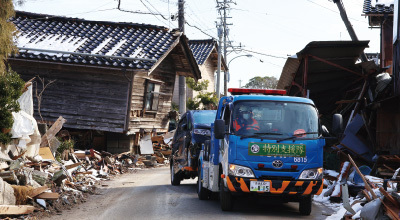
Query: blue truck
[(278, 154)]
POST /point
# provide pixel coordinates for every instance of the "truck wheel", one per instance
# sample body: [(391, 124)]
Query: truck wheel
[(225, 197), (175, 180), (305, 205), (202, 192)]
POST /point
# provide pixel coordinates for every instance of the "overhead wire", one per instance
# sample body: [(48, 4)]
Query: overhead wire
[(334, 11), (194, 26), (264, 54), (154, 14)]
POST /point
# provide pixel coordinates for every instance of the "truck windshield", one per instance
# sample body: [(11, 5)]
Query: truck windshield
[(274, 119)]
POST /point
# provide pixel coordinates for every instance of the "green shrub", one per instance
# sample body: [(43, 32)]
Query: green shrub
[(65, 145), (11, 86)]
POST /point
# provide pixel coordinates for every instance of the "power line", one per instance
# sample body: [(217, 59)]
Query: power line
[(199, 30), (154, 14), (154, 9), (264, 54), (139, 12), (334, 11)]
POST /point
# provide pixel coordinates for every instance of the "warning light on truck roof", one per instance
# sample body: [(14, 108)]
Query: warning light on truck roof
[(237, 91)]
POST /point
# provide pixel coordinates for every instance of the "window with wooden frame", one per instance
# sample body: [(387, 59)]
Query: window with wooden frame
[(152, 95)]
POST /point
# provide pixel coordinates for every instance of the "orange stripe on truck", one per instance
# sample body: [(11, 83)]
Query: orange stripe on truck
[(243, 185), (280, 190), (230, 185), (320, 188), (309, 188)]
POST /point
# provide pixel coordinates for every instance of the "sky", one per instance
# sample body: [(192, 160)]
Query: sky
[(272, 30)]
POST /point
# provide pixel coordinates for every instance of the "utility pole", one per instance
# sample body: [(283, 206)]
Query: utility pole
[(349, 27), (219, 60), (240, 83), (182, 80), (223, 6), (225, 72)]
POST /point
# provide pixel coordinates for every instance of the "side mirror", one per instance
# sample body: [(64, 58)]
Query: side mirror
[(219, 128), (337, 124), (324, 131), (184, 127)]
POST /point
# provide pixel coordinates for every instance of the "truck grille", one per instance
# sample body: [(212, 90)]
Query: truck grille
[(276, 177)]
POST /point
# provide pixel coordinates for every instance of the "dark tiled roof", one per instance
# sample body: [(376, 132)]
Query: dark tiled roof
[(201, 49), (90, 37), (378, 9)]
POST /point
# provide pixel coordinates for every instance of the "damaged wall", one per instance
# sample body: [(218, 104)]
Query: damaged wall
[(88, 98), (149, 120), (388, 126)]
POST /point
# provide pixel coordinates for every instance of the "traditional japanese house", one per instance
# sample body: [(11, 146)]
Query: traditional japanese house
[(112, 82)]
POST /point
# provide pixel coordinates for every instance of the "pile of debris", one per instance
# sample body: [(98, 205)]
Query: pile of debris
[(44, 183), (42, 174), (362, 196)]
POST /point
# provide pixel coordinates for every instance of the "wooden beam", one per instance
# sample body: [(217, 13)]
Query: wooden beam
[(335, 65), (367, 186), (51, 133), (48, 196), (16, 209), (38, 191)]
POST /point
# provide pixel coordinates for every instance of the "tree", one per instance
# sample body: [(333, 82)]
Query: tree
[(206, 100), (11, 84), (258, 82), (7, 33)]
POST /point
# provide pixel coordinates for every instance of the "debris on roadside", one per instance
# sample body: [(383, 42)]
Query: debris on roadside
[(362, 196), (40, 174)]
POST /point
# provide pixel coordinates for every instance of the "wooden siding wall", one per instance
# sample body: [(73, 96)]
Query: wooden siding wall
[(87, 100), (148, 121), (388, 126), (387, 44)]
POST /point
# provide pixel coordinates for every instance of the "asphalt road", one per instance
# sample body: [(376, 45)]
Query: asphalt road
[(148, 194)]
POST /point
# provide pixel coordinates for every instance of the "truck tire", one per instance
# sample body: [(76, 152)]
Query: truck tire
[(202, 192), (225, 197), (305, 205), (175, 179)]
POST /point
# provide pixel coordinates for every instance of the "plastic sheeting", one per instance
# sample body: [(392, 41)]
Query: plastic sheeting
[(26, 101), (25, 129), (25, 126)]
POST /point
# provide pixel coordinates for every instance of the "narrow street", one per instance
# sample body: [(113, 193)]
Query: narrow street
[(148, 194)]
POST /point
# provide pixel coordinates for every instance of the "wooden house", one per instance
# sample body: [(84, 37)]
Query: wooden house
[(206, 55), (113, 82)]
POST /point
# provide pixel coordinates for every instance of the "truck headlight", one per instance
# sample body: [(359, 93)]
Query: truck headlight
[(240, 171), (204, 132), (314, 174)]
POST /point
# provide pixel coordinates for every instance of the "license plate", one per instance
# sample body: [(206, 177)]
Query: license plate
[(259, 186)]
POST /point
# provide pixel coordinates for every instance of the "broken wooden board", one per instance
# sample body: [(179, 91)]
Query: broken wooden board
[(367, 186), (72, 165), (16, 209), (38, 191), (51, 133), (45, 153), (48, 196)]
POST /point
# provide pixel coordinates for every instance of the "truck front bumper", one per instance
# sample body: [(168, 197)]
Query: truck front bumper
[(288, 187)]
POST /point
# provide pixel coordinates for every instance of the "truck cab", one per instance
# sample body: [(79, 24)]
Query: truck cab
[(263, 144)]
